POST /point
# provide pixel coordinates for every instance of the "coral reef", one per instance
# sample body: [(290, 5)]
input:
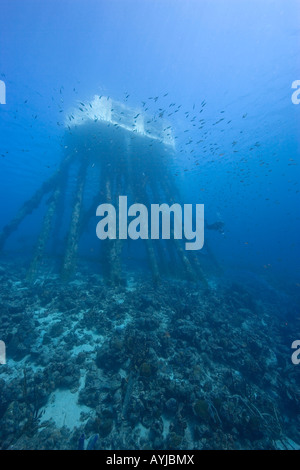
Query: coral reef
[(171, 366)]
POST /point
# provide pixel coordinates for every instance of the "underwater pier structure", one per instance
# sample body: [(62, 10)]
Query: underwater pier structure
[(109, 150)]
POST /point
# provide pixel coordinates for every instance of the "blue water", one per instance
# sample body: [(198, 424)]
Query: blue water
[(227, 70)]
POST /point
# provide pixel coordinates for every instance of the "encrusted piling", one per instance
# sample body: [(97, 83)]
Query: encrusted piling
[(113, 250), (33, 203), (70, 258), (44, 234)]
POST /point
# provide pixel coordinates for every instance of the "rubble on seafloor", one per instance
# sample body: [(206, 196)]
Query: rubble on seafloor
[(173, 366)]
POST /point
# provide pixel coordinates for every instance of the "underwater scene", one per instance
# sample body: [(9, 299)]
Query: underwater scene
[(149, 225)]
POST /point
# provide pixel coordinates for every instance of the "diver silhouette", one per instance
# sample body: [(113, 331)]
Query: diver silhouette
[(217, 226)]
